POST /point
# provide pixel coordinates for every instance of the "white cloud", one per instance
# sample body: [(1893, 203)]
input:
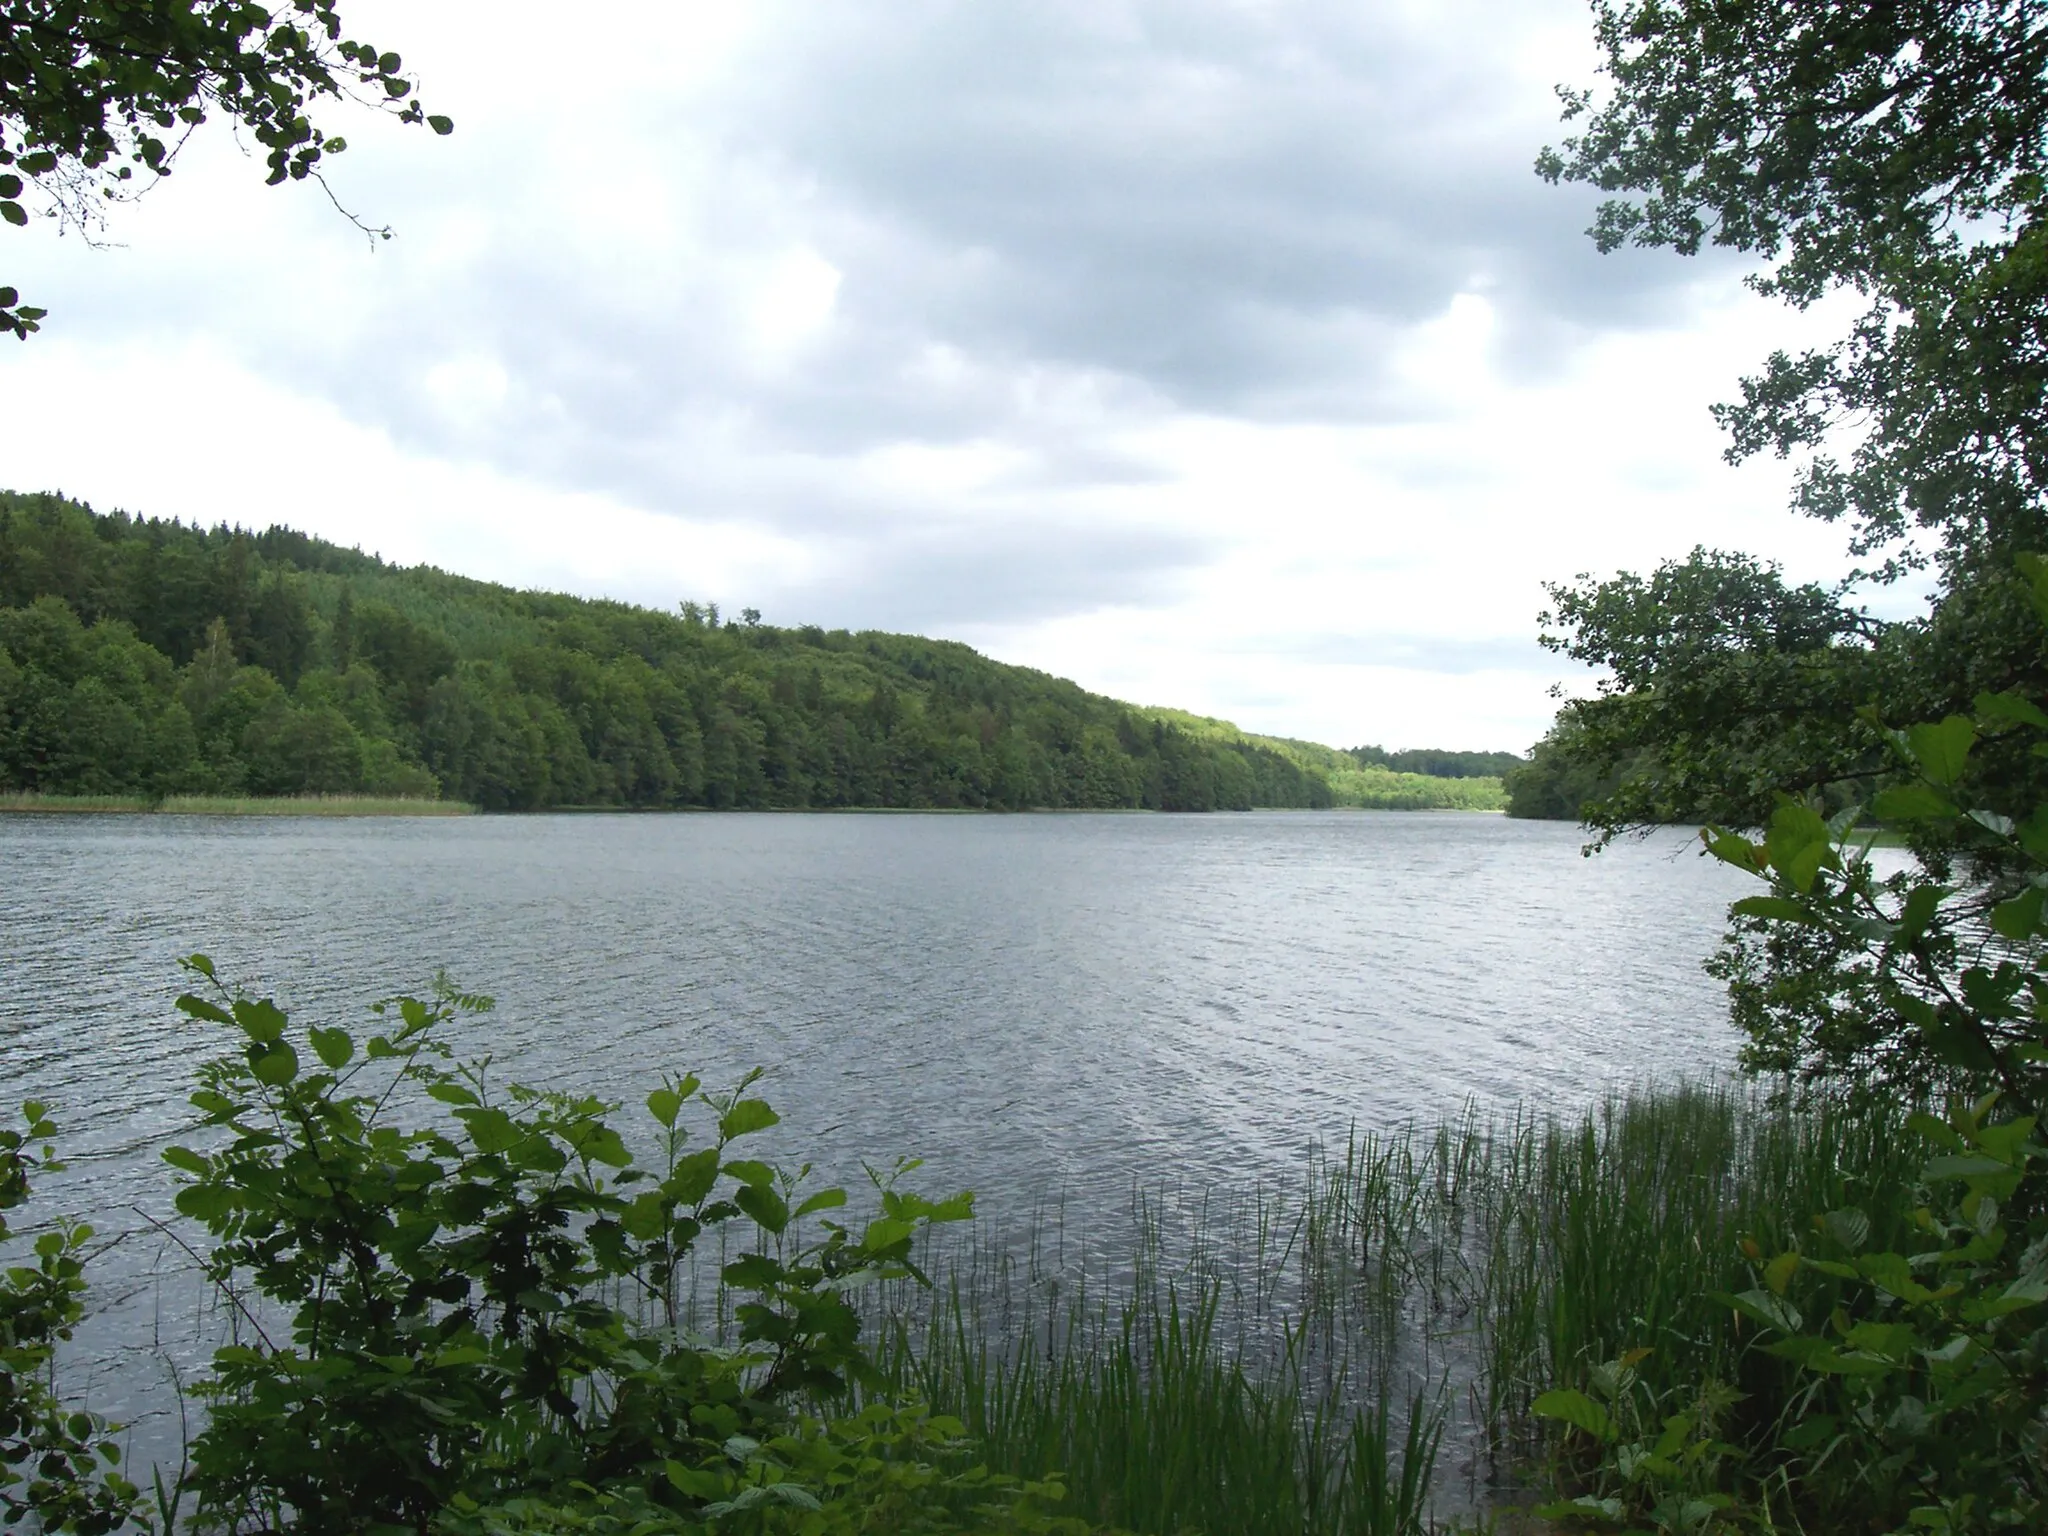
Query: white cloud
[(1217, 354)]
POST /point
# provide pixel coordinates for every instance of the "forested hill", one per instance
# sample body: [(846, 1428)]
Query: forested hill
[(145, 656)]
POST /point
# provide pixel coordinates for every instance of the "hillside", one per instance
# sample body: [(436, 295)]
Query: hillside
[(145, 656), (1366, 777)]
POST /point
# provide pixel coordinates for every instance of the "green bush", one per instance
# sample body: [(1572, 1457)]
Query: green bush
[(57, 1464), (477, 1318)]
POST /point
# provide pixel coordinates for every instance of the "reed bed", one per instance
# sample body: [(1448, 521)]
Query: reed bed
[(1359, 1353), (237, 805)]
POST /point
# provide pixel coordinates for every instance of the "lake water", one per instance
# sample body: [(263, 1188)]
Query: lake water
[(1032, 1004)]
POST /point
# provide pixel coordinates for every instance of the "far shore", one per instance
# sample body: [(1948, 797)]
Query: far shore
[(377, 805), (232, 805)]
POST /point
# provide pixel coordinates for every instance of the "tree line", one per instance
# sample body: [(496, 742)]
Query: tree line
[(145, 656)]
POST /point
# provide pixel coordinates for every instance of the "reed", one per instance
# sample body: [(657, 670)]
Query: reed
[(235, 805), (29, 801), (311, 805), (1359, 1353)]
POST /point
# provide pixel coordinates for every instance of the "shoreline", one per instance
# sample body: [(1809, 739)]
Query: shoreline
[(373, 805), (28, 804)]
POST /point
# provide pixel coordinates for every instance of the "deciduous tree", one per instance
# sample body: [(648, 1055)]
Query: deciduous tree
[(97, 96)]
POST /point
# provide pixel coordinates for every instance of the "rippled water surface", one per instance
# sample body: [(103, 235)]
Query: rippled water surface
[(1030, 1003), (1018, 1000)]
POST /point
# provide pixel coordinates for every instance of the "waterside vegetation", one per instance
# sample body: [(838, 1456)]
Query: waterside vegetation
[(236, 805), (465, 1306)]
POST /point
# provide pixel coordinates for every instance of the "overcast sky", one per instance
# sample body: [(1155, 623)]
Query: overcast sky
[(1221, 355)]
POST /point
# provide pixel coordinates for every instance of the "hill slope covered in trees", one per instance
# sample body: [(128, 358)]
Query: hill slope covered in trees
[(140, 656)]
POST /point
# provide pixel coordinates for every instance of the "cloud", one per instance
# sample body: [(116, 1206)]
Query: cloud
[(1023, 320)]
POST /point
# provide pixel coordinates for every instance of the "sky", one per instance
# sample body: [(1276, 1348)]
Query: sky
[(1221, 354)]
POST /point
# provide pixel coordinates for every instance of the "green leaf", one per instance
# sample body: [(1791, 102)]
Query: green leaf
[(1810, 1431), (1779, 1272), (274, 1062), (1761, 1307), (1782, 909), (441, 125), (2012, 709), (261, 1021), (1966, 1167), (1578, 1410), (491, 1130), (452, 1093), (10, 186), (768, 1209), (697, 1484), (1936, 1130), (665, 1105), (187, 1159), (748, 1171), (206, 1203), (1798, 844), (602, 1144), (823, 1200), (746, 1117), (13, 213), (752, 1272), (1730, 849), (693, 1177), (1819, 1355), (200, 1008), (1850, 1228), (1910, 802), (332, 1046), (1942, 750), (2019, 918)]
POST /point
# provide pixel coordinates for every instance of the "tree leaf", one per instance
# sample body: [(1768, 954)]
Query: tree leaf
[(262, 1021), (1910, 802), (1942, 749), (665, 1105), (1578, 1410), (332, 1046), (768, 1209), (274, 1062), (2010, 707), (746, 1117)]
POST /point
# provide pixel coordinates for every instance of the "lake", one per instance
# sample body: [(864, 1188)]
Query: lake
[(1036, 1005)]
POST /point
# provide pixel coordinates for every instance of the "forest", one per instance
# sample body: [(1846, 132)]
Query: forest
[(141, 656)]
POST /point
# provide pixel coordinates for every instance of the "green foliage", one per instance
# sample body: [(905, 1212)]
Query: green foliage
[(148, 658), (1920, 1394), (93, 91), (1654, 1471), (1364, 778), (1438, 764), (482, 1312), (57, 1463), (1894, 151), (1559, 782), (1923, 1388), (1935, 974), (1916, 1402)]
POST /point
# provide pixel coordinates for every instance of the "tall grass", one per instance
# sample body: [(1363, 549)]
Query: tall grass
[(1345, 1355)]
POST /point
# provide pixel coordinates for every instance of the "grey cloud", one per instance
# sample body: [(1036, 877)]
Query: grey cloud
[(1173, 204), (1415, 653), (1229, 208), (962, 578)]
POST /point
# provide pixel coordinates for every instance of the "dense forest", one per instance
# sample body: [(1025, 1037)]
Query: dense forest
[(1560, 779), (143, 656)]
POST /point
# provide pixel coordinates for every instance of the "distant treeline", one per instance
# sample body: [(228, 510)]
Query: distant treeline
[(1439, 764), (140, 656)]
